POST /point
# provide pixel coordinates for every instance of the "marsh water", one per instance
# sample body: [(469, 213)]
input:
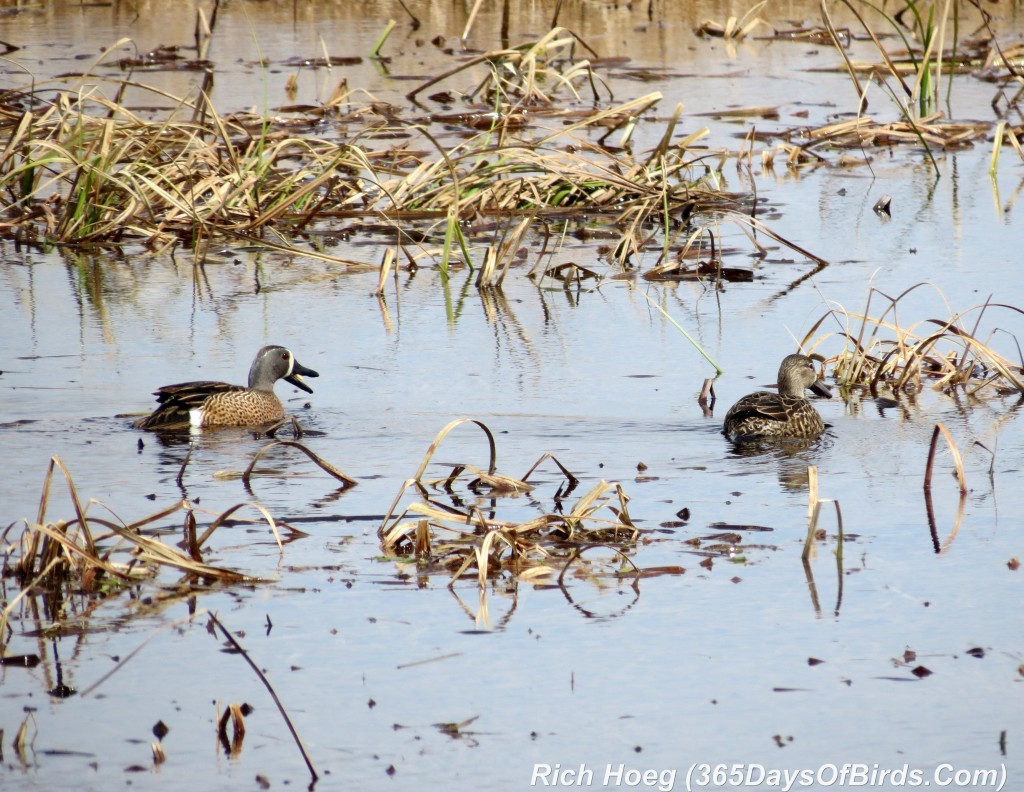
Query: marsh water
[(748, 660)]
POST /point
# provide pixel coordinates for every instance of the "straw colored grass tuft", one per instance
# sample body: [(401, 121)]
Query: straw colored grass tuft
[(101, 556), (881, 354), (446, 531)]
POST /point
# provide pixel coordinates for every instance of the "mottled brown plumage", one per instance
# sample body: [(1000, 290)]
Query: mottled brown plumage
[(787, 413), (206, 403)]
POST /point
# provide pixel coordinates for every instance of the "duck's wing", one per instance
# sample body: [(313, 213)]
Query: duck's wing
[(763, 405), (176, 402)]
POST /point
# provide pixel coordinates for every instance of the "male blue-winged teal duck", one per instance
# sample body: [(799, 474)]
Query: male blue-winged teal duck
[(787, 413), (220, 404)]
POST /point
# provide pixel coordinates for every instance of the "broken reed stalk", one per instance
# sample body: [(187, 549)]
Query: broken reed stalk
[(270, 689), (323, 464), (813, 508), (840, 541), (20, 741), (814, 503), (235, 715), (385, 268), (375, 52), (812, 587), (957, 459), (492, 446), (944, 545)]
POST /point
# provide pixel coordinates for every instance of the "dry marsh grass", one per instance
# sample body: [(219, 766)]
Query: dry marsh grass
[(102, 556), (80, 167), (453, 526), (933, 47), (958, 353)]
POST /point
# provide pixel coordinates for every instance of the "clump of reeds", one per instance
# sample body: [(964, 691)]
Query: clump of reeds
[(517, 76), (81, 167), (450, 532), (931, 49), (104, 555), (880, 353)]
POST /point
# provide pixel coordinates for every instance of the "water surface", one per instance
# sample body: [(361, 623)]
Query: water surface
[(369, 656)]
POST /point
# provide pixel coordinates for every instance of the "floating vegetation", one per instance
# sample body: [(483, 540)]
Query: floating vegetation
[(530, 144), (455, 534), (100, 557), (883, 356), (865, 131), (78, 167), (913, 76)]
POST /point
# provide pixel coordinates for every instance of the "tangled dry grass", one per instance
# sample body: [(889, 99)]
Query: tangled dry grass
[(78, 166), (448, 532), (104, 556), (955, 353)]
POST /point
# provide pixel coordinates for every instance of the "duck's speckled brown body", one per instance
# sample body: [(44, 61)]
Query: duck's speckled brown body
[(787, 413), (209, 404)]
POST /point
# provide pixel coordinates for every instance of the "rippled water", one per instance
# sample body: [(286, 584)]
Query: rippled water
[(711, 665)]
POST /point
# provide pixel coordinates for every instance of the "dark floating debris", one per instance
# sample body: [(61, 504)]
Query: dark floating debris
[(25, 661), (702, 270)]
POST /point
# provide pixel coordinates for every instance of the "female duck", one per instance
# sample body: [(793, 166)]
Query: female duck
[(204, 403), (787, 413)]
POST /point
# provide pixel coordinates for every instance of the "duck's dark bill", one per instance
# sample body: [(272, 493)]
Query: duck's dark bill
[(821, 389), (298, 372)]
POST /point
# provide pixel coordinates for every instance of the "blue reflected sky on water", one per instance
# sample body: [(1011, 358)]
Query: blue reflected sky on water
[(689, 670), (709, 665)]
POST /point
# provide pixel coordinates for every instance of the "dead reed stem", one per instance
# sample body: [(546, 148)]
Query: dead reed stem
[(273, 694), (957, 459), (323, 464)]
